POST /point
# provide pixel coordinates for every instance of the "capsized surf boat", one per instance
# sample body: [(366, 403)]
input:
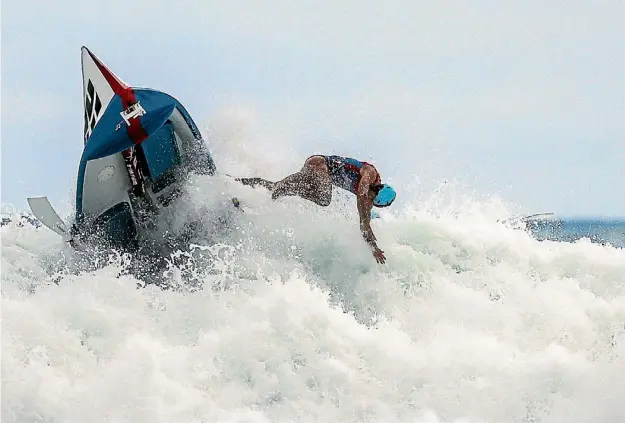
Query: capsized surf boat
[(140, 146)]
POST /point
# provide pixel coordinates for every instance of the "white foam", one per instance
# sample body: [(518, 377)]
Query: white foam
[(469, 321)]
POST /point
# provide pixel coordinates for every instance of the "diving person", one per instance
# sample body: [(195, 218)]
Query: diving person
[(319, 173)]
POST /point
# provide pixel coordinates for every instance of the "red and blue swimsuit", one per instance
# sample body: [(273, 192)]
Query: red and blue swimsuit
[(345, 172)]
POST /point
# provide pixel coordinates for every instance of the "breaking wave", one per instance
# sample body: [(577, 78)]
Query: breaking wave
[(280, 313)]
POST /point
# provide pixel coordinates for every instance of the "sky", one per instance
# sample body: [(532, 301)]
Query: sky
[(524, 100)]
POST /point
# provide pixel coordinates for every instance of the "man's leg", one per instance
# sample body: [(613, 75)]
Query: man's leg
[(312, 183), (257, 181)]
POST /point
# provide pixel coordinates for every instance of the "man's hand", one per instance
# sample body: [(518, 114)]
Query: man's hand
[(379, 255)]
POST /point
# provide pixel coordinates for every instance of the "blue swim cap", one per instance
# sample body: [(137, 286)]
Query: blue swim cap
[(385, 196)]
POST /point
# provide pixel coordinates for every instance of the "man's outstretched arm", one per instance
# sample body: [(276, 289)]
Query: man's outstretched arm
[(365, 204)]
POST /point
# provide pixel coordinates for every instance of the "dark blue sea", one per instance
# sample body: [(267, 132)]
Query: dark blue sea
[(607, 231)]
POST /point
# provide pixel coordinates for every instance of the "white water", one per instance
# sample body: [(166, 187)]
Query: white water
[(469, 321)]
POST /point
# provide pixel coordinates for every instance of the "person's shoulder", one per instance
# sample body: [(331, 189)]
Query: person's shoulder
[(369, 168), (370, 171)]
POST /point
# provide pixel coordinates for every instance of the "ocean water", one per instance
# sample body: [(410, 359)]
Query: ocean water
[(279, 313), (599, 230), (289, 318)]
